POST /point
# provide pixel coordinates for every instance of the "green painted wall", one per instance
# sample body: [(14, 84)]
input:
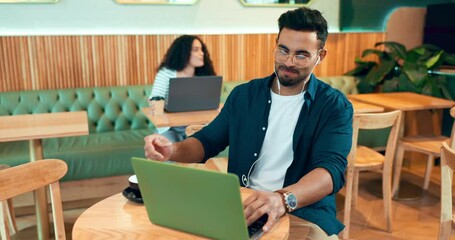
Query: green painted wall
[(372, 15)]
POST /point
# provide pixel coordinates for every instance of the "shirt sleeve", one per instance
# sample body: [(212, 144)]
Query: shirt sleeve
[(161, 83), (332, 146)]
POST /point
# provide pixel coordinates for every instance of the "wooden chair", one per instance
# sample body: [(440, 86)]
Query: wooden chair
[(366, 159), (9, 211), (447, 166), (218, 164), (430, 146), (28, 177)]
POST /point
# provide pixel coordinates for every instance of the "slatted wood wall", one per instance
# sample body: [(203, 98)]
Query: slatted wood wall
[(52, 62)]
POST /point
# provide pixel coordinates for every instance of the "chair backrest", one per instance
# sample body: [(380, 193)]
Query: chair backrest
[(452, 133), (377, 121), (28, 177), (447, 167)]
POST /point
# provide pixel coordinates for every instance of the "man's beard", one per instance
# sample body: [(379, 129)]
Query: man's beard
[(288, 82)]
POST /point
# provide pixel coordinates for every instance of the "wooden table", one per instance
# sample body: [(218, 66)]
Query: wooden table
[(404, 101), (34, 128), (408, 103), (181, 118), (361, 107), (117, 218)]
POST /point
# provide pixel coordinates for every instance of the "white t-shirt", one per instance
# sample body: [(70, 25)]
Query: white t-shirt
[(276, 154)]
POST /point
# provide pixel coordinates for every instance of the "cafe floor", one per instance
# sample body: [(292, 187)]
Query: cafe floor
[(412, 219)]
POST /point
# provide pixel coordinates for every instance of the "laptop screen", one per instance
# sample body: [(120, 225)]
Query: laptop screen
[(194, 93)]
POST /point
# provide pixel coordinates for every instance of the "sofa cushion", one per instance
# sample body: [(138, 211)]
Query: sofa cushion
[(346, 84), (92, 156), (98, 155)]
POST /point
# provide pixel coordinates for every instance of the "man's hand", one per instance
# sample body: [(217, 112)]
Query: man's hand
[(260, 203), (158, 147)]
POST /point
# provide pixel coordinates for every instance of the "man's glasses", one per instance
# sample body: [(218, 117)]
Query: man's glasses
[(299, 60)]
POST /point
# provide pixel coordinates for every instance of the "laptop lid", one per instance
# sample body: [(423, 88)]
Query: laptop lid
[(202, 202), (194, 93)]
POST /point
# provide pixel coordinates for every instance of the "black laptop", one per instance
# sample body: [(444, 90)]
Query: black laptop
[(194, 93)]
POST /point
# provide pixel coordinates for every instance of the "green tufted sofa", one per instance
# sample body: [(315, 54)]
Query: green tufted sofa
[(116, 125)]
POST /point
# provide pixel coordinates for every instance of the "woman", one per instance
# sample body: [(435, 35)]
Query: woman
[(187, 57)]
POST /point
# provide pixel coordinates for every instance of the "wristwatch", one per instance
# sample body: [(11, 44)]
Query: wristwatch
[(289, 200)]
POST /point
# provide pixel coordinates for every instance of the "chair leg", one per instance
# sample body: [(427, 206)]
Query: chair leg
[(387, 197), (4, 229), (355, 188), (11, 216), (348, 202), (430, 163), (446, 220), (397, 169)]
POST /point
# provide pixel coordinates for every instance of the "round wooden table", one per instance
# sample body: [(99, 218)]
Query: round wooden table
[(117, 218)]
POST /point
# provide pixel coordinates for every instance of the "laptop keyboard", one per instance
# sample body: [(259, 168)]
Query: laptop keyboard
[(255, 229)]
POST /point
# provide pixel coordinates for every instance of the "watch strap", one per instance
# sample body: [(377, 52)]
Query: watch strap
[(283, 198)]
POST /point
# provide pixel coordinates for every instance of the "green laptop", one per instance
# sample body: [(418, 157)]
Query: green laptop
[(201, 202)]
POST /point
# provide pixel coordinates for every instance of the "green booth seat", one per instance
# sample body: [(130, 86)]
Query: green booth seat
[(117, 128)]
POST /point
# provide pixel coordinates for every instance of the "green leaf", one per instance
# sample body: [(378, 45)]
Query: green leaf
[(430, 63), (378, 53), (391, 85), (445, 92), (412, 57), (362, 68), (405, 85), (415, 73), (449, 58), (377, 74), (364, 87), (397, 50)]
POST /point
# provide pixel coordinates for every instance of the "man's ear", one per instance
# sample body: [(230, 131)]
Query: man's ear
[(321, 56)]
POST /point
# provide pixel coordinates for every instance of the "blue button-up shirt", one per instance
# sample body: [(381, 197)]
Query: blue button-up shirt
[(322, 138)]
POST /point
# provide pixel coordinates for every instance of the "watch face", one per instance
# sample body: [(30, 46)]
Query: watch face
[(291, 201)]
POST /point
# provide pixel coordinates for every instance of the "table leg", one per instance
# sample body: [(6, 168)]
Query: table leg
[(42, 216), (436, 116)]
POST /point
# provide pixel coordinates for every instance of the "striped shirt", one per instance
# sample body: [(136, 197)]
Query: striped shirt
[(161, 87), (161, 83)]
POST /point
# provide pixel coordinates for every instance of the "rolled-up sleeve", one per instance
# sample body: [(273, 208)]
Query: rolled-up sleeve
[(333, 143)]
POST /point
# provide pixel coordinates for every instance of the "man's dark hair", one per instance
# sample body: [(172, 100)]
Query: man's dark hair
[(178, 56), (305, 19)]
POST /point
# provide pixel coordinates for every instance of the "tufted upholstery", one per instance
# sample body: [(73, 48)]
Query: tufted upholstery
[(108, 108), (346, 84), (116, 125)]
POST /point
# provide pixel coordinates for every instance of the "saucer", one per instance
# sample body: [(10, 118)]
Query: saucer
[(132, 195)]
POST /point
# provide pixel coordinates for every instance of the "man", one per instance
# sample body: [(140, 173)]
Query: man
[(288, 134)]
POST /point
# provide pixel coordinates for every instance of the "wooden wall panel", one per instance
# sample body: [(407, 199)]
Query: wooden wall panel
[(52, 62)]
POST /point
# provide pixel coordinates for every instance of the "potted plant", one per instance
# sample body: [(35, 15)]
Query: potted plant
[(402, 70)]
